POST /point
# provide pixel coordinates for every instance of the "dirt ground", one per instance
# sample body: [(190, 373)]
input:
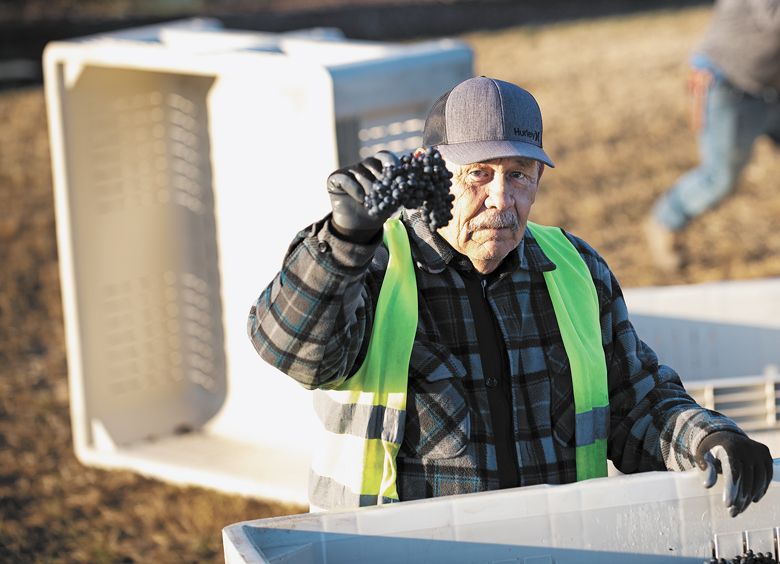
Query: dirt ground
[(613, 96)]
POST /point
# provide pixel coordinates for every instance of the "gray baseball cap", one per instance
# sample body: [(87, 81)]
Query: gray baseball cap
[(484, 118)]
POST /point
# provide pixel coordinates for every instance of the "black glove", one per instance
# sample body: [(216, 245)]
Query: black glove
[(746, 466), (347, 188)]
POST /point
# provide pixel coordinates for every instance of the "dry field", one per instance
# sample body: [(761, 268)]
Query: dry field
[(613, 95)]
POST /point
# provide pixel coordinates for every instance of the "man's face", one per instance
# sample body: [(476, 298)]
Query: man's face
[(490, 211)]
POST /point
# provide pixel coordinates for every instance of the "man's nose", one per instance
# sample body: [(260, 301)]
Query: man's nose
[(499, 193)]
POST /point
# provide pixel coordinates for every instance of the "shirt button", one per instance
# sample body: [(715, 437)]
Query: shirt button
[(323, 246), (491, 382)]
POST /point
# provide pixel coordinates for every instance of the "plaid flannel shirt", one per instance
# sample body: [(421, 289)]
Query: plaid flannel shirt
[(314, 319)]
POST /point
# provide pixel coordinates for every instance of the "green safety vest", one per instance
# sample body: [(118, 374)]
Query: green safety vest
[(354, 460), (576, 306)]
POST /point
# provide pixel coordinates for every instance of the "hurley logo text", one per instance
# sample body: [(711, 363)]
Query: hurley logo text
[(535, 135)]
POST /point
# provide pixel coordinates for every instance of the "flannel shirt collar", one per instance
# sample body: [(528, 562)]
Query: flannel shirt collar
[(433, 254)]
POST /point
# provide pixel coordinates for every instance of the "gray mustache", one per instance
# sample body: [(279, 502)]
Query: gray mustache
[(501, 220)]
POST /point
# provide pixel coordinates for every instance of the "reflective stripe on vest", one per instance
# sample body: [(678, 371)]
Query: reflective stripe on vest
[(354, 463), (576, 306)]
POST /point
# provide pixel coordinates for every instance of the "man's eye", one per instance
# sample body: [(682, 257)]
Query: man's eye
[(519, 175), (477, 173)]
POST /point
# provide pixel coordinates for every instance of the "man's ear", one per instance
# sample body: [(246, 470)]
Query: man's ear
[(541, 171)]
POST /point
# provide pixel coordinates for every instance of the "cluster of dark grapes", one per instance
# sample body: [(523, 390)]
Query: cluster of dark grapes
[(748, 558), (420, 180)]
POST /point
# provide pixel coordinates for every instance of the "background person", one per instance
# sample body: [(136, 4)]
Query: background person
[(489, 393), (735, 93)]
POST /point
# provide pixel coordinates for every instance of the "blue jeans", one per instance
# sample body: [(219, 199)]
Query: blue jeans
[(732, 122)]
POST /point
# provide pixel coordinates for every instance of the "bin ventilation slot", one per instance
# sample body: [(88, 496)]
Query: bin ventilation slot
[(158, 332), (142, 341), (401, 134), (146, 149), (198, 337), (766, 541), (187, 140), (363, 136), (753, 402)]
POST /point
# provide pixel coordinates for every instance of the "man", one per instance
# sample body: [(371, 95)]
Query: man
[(490, 353), (735, 93)]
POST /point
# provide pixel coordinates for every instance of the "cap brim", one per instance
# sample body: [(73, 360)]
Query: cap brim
[(478, 151)]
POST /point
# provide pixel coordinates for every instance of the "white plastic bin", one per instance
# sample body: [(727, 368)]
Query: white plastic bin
[(723, 338), (185, 158), (639, 519)]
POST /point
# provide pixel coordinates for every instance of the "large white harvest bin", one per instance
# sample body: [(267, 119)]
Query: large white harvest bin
[(185, 158), (639, 519)]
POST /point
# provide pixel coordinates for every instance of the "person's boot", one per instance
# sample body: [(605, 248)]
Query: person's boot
[(662, 245)]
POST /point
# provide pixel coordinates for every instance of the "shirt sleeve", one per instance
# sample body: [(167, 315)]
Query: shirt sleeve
[(654, 423), (311, 321), (700, 61)]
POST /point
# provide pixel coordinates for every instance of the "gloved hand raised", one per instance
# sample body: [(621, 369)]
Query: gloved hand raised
[(347, 188), (746, 466)]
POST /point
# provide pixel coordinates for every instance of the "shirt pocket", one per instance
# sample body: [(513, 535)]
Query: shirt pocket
[(562, 410), (438, 422)]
